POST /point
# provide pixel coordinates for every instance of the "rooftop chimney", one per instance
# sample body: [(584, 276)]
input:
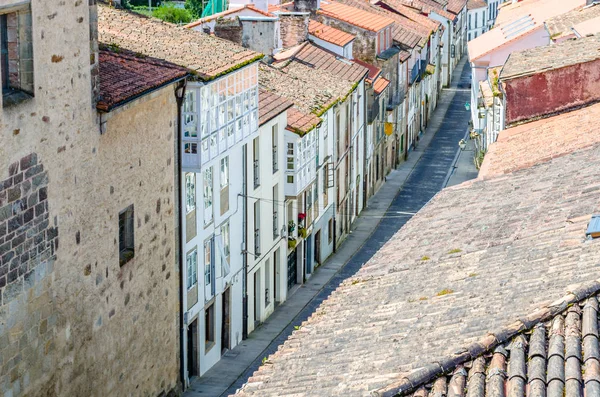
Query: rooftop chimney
[(307, 5)]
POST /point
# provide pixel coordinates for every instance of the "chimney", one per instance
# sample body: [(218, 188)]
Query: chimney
[(307, 5)]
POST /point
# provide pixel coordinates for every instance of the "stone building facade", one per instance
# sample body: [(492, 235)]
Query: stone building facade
[(72, 316)]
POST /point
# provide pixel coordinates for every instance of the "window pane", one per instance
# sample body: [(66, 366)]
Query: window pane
[(224, 171), (190, 190)]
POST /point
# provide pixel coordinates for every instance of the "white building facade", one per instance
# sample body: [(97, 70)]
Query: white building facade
[(267, 241), (220, 122)]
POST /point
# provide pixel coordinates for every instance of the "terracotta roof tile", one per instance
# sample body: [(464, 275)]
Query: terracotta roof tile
[(374, 71), (301, 123), (355, 16), (523, 21), (428, 6), (541, 353), (555, 56), (562, 25), (204, 55), (270, 105), (323, 60), (400, 8), (404, 31), (380, 85), (539, 141), (329, 34), (456, 6), (475, 259), (124, 76), (474, 4), (313, 79)]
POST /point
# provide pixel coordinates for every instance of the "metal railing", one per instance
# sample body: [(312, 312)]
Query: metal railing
[(256, 175), (257, 242), (275, 163), (275, 225)]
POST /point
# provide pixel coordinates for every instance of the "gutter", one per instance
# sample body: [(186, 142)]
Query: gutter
[(108, 109), (180, 95)]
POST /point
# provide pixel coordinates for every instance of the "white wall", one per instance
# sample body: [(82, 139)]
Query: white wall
[(271, 282)]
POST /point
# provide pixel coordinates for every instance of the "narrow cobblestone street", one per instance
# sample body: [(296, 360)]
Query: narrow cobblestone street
[(409, 188)]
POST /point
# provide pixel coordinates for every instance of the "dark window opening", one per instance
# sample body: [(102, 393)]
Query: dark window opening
[(209, 327), (126, 241), (16, 56)]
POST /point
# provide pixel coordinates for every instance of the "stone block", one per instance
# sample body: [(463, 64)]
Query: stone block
[(14, 194), (28, 161), (34, 171), (12, 291), (13, 168), (5, 212)]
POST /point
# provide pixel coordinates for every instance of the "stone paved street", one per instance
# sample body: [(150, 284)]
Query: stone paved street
[(434, 164)]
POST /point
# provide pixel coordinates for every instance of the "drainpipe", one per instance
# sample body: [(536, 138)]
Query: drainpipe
[(364, 156), (179, 96), (245, 242)]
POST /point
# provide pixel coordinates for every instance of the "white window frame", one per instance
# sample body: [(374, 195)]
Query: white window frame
[(190, 192), (224, 172), (192, 268)]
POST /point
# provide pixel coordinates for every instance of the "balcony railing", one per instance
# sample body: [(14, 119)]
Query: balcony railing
[(373, 112), (257, 242), (256, 175), (275, 225), (275, 164), (415, 72), (396, 99)]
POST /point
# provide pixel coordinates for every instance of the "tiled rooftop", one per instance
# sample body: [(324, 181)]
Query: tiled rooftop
[(530, 17), (380, 85), (539, 141), (270, 105), (400, 8), (325, 61), (456, 6), (206, 56), (231, 11), (354, 16), (476, 258), (554, 56), (589, 27), (301, 123), (313, 79), (556, 356), (474, 4), (329, 34), (562, 25), (124, 76), (404, 31), (374, 71)]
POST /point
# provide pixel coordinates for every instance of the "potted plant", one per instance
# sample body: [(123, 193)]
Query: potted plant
[(291, 227)]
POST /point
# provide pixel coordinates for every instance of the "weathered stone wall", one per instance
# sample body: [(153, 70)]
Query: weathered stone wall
[(73, 322), (293, 29), (229, 29), (260, 36), (364, 46)]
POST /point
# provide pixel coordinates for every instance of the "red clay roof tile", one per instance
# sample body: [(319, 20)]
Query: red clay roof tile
[(329, 34), (124, 76), (355, 16), (270, 105)]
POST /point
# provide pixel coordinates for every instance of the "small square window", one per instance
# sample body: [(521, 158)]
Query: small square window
[(126, 240)]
